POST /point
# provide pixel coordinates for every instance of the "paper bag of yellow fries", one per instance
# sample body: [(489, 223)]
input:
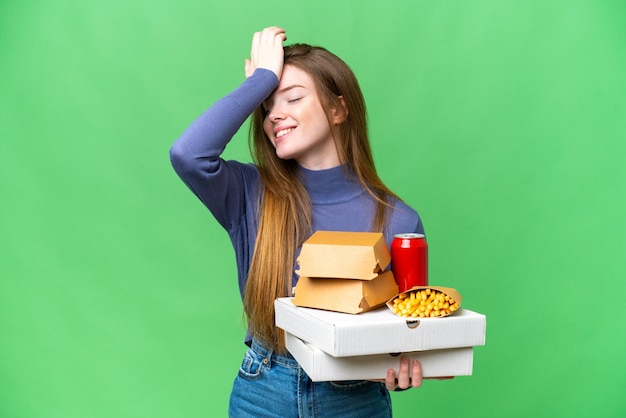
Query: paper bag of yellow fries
[(425, 302)]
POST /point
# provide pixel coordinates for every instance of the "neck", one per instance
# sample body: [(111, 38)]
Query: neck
[(332, 185), (324, 162)]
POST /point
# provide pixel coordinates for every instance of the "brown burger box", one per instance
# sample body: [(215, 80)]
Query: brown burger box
[(344, 272)]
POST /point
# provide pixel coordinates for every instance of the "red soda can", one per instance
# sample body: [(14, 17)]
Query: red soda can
[(409, 260)]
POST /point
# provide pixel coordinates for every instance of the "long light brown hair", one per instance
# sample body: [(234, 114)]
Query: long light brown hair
[(285, 208)]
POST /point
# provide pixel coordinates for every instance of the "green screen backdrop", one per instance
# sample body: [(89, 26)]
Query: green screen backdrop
[(502, 122)]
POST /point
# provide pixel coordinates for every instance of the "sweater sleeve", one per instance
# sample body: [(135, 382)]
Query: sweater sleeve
[(195, 156)]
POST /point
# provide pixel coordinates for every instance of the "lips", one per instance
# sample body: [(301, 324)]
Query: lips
[(282, 132)]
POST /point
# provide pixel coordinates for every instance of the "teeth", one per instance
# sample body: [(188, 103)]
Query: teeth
[(283, 132)]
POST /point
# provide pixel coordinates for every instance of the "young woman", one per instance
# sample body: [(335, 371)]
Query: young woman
[(313, 170)]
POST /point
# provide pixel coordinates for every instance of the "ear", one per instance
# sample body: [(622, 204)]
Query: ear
[(340, 114)]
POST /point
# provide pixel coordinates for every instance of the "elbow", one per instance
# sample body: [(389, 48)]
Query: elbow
[(175, 152), (188, 161), (182, 160), (178, 157)]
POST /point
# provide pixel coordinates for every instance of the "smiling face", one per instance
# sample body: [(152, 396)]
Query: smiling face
[(296, 124)]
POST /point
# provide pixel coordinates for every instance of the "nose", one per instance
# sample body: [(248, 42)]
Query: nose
[(275, 114)]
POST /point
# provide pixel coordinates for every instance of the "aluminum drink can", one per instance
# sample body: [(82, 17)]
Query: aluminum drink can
[(409, 260)]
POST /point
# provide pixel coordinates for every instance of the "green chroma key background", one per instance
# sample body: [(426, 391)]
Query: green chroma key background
[(502, 122)]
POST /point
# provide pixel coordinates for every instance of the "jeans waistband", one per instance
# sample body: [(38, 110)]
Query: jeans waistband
[(283, 359)]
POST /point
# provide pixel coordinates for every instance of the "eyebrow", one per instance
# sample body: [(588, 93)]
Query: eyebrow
[(286, 89)]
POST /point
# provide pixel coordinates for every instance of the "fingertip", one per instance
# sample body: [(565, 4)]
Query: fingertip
[(417, 367), (390, 380), (416, 375), (404, 363)]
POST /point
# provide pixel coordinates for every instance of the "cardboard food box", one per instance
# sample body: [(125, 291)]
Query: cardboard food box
[(323, 367), (341, 295), (378, 331), (344, 255), (344, 272)]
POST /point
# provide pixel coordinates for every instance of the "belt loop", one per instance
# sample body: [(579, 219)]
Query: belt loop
[(264, 351), (267, 361)]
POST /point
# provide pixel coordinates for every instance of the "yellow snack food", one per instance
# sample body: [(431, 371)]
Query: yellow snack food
[(423, 303)]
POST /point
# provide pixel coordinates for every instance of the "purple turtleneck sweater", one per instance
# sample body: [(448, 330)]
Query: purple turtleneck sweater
[(229, 189)]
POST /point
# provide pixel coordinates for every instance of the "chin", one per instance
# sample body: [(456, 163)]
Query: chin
[(281, 157), (284, 155)]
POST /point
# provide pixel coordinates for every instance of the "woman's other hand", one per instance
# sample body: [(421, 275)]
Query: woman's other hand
[(267, 51), (404, 379)]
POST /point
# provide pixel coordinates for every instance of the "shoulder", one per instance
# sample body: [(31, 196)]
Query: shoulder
[(404, 219)]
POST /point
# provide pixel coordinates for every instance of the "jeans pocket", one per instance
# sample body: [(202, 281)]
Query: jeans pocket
[(251, 366)]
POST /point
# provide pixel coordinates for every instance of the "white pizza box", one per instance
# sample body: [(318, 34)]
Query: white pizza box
[(323, 367), (378, 331)]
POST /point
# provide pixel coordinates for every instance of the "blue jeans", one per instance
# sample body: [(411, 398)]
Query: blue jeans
[(271, 385)]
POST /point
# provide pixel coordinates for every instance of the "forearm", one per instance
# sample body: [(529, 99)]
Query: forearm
[(198, 149), (222, 186)]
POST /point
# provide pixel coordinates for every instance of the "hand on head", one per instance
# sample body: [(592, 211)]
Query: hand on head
[(267, 51)]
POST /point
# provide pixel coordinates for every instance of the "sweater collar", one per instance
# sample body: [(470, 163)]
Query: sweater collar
[(333, 185)]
